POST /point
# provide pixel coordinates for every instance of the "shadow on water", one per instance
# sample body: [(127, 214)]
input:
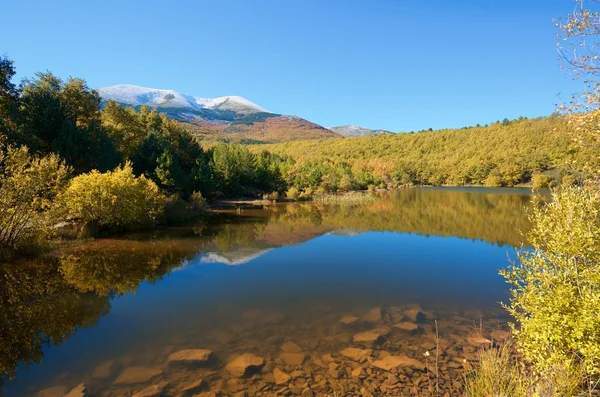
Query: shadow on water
[(134, 299)]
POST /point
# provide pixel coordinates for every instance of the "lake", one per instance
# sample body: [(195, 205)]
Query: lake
[(290, 299)]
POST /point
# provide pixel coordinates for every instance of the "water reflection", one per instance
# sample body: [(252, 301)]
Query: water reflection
[(493, 215), (47, 302), (38, 309)]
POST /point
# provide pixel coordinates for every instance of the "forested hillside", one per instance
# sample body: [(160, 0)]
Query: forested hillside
[(502, 154)]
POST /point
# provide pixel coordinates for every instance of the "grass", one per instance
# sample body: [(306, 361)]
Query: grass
[(500, 373), (352, 198)]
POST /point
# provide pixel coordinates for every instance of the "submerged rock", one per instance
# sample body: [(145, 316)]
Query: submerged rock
[(107, 369), (390, 362), (478, 340), (133, 375), (371, 337), (194, 387), (356, 354), (291, 347), (406, 326), (152, 391), (244, 364), (293, 359), (358, 372), (280, 376), (415, 315), (77, 391), (307, 392), (349, 320), (190, 357), (428, 346), (499, 335), (373, 316)]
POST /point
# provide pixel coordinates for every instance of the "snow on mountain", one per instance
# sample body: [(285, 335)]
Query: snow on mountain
[(135, 96), (354, 130)]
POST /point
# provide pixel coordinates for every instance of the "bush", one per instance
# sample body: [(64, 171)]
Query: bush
[(292, 193), (307, 194), (556, 287), (198, 202), (540, 181), (28, 186), (112, 200), (493, 181), (346, 183), (273, 196), (178, 211), (512, 174)]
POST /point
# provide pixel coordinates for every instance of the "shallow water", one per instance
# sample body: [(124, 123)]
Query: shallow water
[(247, 283)]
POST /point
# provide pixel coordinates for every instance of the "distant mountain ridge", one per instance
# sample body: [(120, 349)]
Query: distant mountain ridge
[(133, 95), (354, 130), (227, 118)]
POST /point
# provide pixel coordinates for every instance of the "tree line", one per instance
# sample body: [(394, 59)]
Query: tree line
[(502, 154)]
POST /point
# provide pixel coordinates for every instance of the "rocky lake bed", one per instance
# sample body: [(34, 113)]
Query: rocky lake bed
[(385, 351)]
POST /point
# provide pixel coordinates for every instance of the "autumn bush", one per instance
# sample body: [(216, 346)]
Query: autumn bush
[(556, 286), (28, 186), (292, 193), (114, 200), (540, 181), (273, 196), (493, 181)]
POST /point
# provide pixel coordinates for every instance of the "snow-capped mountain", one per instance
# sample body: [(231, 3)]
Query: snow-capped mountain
[(228, 118), (133, 95), (354, 130)]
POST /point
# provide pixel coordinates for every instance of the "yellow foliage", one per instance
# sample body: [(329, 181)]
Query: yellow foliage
[(540, 181), (28, 186), (112, 199), (447, 157), (556, 288)]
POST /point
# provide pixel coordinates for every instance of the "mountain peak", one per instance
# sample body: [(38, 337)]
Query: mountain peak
[(133, 95)]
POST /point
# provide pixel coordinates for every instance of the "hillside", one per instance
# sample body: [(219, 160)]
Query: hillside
[(270, 128), (500, 154), (228, 118)]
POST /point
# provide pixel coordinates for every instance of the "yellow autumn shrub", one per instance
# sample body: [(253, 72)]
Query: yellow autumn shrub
[(556, 286), (112, 199)]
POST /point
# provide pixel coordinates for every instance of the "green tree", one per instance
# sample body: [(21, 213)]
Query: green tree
[(64, 118), (9, 103)]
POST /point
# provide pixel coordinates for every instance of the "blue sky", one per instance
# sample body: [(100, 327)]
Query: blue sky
[(397, 65)]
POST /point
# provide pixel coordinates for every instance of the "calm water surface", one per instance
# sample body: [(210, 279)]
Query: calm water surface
[(247, 283)]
